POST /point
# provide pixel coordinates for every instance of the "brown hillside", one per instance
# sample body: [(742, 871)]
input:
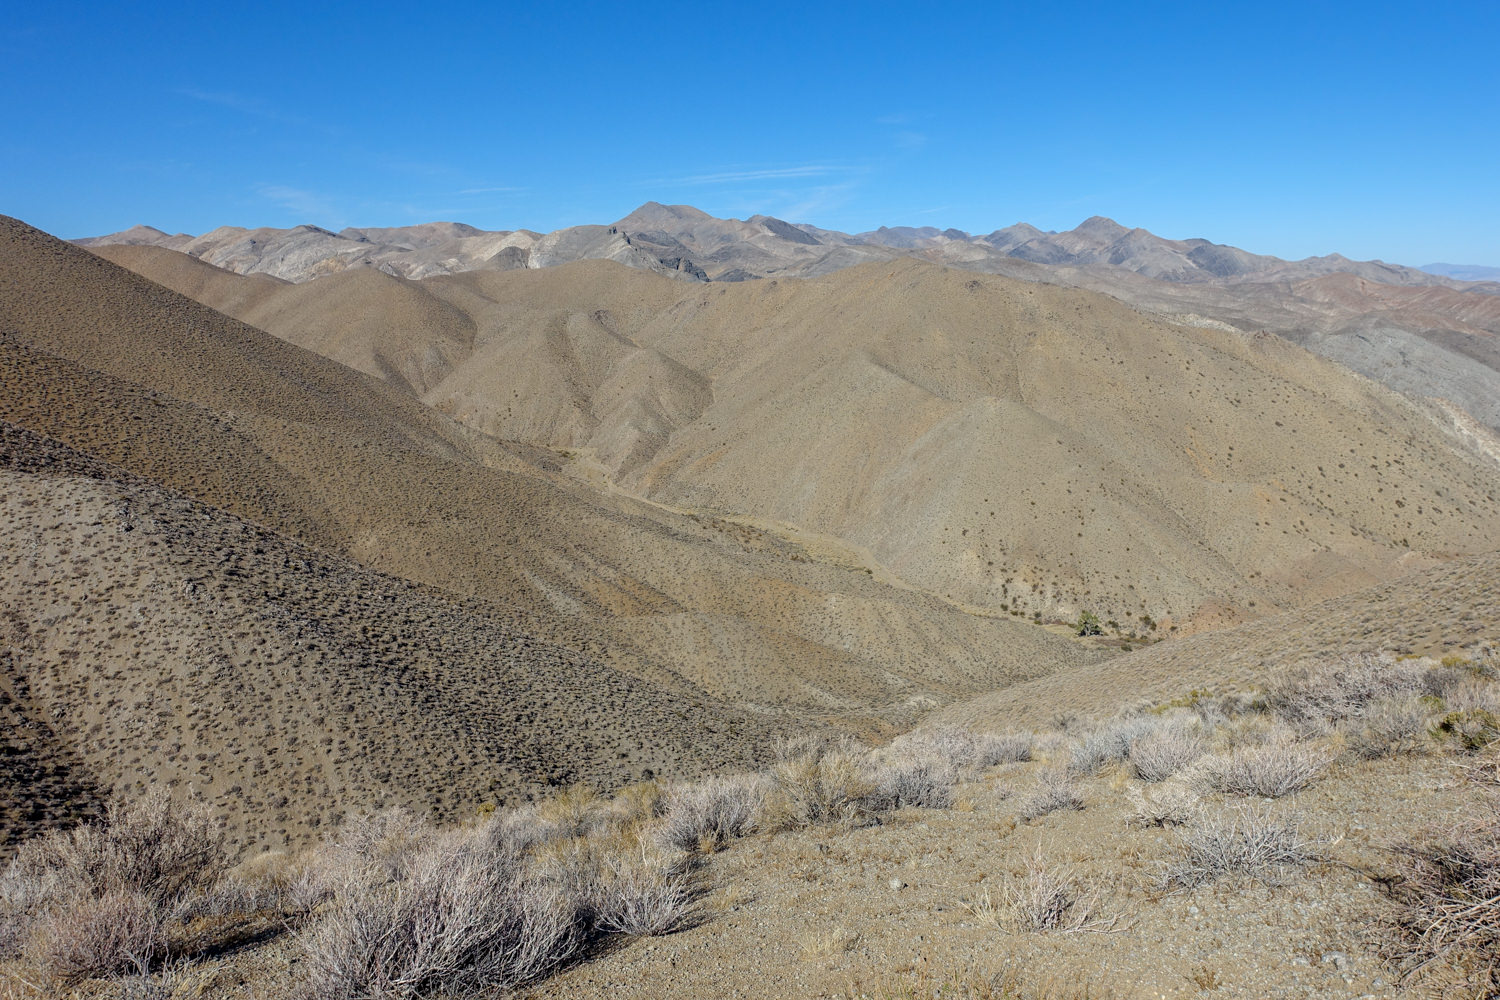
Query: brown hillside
[(125, 371), (1008, 445)]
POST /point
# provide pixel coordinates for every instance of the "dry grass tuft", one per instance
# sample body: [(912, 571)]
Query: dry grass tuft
[(827, 942), (1173, 804), (1044, 898)]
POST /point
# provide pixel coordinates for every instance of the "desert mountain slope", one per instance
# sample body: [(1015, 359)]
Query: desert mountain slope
[(154, 639), (1015, 446), (1382, 322), (131, 373), (685, 239), (1447, 609)]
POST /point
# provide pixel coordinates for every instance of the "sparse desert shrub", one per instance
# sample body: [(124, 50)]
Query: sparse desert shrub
[(98, 899), (1275, 768), (386, 842), (1390, 726), (1088, 624), (117, 931), (1245, 841), (1471, 693), (1160, 754), (576, 811), (1006, 748), (955, 745), (1447, 892), (1108, 744), (717, 810), (1312, 700), (1054, 790), (1467, 731), (463, 917), (1172, 804), (150, 846), (816, 781), (923, 782), (1043, 898), (645, 893)]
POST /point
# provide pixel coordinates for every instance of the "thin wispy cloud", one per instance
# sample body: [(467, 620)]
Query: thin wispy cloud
[(823, 198), (306, 203), (238, 102), (744, 176)]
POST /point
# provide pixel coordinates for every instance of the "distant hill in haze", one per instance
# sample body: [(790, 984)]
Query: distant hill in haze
[(685, 240), (1464, 272)]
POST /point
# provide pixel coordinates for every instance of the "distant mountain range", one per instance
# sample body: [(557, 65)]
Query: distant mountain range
[(1464, 272), (693, 244), (1420, 332)]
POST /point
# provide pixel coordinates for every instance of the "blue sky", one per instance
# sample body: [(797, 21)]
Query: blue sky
[(1369, 129)]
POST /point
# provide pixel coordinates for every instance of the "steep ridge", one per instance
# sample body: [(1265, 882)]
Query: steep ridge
[(120, 368), (1019, 447)]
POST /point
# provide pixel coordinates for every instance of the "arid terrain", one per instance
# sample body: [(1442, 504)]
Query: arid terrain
[(694, 607), (1421, 331)]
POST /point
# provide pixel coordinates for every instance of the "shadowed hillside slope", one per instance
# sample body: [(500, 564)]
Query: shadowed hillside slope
[(1013, 446), (152, 639)]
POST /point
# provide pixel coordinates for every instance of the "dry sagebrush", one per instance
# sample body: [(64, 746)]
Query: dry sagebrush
[(100, 899), (1167, 750), (1279, 766), (1313, 700), (1244, 841)]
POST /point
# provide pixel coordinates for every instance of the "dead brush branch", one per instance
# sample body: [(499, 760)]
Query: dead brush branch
[(1447, 893)]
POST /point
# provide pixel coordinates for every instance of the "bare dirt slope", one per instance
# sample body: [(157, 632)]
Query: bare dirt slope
[(1013, 446)]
